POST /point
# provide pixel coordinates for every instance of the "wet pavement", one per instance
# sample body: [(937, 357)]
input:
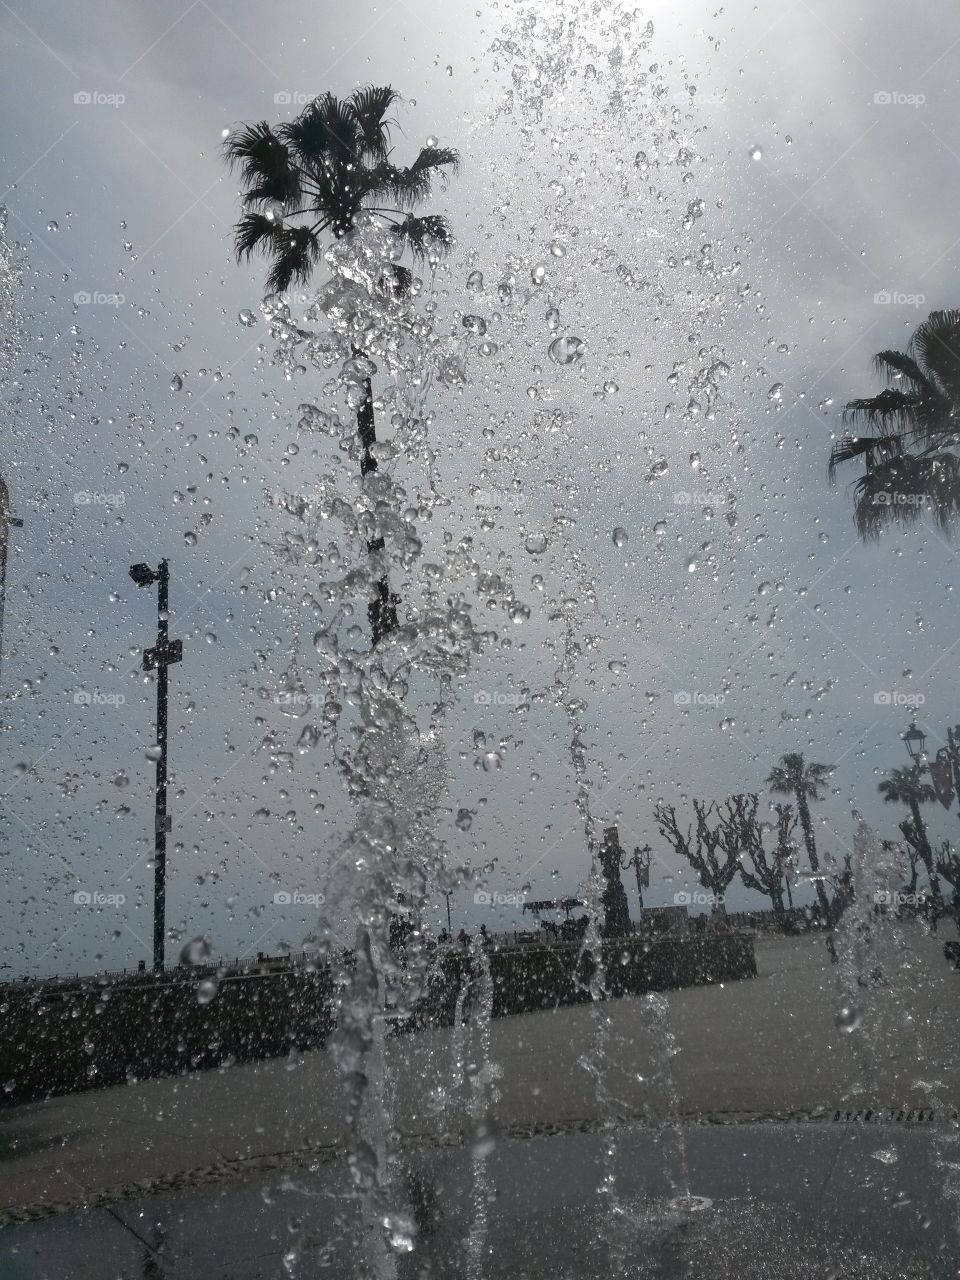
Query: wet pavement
[(201, 1175), (736, 1200)]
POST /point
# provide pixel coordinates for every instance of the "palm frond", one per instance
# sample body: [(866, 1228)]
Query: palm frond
[(429, 163), (899, 491), (325, 136), (936, 346), (296, 252), (254, 231), (370, 105), (850, 448), (903, 786), (420, 234), (898, 364), (889, 407), (396, 281), (264, 162)]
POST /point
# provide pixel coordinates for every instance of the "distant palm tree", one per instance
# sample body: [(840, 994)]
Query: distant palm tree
[(805, 782), (912, 426), (906, 787), (319, 173)]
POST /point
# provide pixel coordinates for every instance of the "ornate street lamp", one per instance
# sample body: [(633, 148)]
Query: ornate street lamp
[(914, 740)]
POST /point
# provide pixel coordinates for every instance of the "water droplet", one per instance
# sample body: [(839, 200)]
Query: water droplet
[(691, 566), (610, 388), (475, 324), (247, 318), (176, 383), (464, 819), (53, 226), (565, 350), (190, 538), (756, 153), (475, 281), (849, 1017), (207, 990), (196, 951), (153, 753), (776, 392), (492, 760), (536, 543), (553, 319), (660, 528), (620, 537), (539, 274)]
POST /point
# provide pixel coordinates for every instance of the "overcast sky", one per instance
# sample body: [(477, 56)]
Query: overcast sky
[(822, 148)]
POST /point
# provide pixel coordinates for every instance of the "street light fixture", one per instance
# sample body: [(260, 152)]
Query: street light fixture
[(914, 740), (159, 658)]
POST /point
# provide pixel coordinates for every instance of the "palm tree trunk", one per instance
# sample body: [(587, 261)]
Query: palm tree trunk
[(803, 809), (926, 854), (381, 611)]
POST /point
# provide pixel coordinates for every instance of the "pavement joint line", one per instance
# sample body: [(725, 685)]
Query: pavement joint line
[(238, 1167)]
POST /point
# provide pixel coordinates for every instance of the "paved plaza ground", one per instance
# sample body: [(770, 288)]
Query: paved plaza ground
[(762, 1048)]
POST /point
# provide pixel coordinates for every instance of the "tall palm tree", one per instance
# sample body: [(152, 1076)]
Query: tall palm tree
[(911, 428), (792, 776), (318, 173), (906, 787)]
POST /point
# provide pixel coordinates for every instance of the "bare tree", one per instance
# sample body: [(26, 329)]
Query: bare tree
[(763, 871), (702, 845), (948, 866)]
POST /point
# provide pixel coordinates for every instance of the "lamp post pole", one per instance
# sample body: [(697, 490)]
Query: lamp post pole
[(159, 658)]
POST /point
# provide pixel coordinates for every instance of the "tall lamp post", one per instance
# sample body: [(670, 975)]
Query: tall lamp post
[(159, 658), (7, 521)]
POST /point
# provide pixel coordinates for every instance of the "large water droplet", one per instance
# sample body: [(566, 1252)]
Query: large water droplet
[(196, 951), (565, 350), (207, 989), (247, 318), (849, 1017)]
